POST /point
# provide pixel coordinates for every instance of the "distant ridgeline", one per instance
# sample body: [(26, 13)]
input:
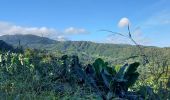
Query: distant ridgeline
[(84, 49), (26, 39)]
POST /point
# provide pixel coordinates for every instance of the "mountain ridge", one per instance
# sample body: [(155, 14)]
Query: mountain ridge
[(26, 39), (31, 39), (84, 49)]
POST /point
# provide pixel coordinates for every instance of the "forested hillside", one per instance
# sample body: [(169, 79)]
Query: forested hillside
[(115, 53), (48, 69), (4, 46), (25, 39)]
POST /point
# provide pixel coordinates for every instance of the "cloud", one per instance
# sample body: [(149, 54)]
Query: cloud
[(7, 28), (140, 38), (61, 38), (123, 22), (10, 29), (137, 35), (122, 40), (161, 18), (72, 30)]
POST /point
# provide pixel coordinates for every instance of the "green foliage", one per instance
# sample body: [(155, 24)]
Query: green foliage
[(99, 65), (131, 75), (110, 82), (37, 74), (87, 51)]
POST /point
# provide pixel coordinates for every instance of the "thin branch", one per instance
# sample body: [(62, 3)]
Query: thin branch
[(114, 32), (140, 48), (130, 37)]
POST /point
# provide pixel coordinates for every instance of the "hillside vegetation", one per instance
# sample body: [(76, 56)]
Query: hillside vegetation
[(81, 70), (115, 53)]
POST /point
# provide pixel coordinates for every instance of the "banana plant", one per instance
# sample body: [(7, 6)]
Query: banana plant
[(104, 80), (112, 83)]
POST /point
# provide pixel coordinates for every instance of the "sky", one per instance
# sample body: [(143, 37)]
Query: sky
[(83, 20)]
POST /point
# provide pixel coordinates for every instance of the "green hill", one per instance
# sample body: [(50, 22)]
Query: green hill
[(84, 49), (26, 39), (4, 46)]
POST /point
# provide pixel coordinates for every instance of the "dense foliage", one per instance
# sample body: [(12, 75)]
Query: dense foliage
[(87, 51), (83, 70), (37, 74)]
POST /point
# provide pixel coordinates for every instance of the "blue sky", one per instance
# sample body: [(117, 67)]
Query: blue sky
[(81, 19)]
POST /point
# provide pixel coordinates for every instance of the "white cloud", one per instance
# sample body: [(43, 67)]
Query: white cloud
[(123, 22), (10, 29), (161, 18), (7, 28), (137, 35), (61, 38), (121, 40), (72, 30)]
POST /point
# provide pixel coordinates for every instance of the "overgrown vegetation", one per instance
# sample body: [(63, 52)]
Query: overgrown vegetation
[(139, 74), (36, 74)]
